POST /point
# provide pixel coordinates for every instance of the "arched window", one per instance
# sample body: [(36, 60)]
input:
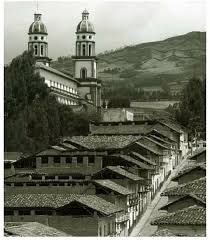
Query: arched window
[(90, 50), (35, 49), (83, 73), (78, 49), (42, 50), (83, 50)]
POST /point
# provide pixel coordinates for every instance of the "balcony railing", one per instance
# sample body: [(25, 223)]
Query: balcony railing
[(122, 218), (64, 92)]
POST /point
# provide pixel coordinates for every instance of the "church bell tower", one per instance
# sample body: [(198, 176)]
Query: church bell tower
[(85, 61), (38, 40)]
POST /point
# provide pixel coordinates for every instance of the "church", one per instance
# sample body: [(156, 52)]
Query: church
[(81, 89)]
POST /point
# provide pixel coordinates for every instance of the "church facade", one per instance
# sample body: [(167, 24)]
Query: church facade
[(83, 88)]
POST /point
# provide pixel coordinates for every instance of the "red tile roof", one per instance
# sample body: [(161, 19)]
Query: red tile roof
[(156, 152), (198, 198), (163, 233), (32, 229), (56, 201), (121, 129), (195, 187), (102, 142), (197, 153), (134, 161), (113, 186), (188, 216), (119, 170), (139, 156), (156, 142), (188, 169)]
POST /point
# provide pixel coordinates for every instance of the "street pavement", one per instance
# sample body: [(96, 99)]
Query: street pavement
[(143, 227)]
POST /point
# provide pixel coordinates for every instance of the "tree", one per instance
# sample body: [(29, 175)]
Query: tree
[(119, 102), (191, 111), (38, 127)]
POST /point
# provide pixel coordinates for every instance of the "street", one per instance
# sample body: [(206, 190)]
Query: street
[(143, 227)]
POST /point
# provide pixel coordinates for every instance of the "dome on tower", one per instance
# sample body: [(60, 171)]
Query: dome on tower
[(85, 25), (37, 26)]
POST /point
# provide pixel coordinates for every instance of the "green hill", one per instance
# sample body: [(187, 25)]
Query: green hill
[(175, 59)]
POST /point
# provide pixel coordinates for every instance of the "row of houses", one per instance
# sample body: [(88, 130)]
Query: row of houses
[(95, 185), (185, 212)]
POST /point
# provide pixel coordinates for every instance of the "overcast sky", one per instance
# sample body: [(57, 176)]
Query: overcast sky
[(116, 23)]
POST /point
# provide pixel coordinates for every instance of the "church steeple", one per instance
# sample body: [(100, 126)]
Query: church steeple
[(85, 61), (38, 41)]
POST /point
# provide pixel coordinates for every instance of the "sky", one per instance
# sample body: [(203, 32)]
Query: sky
[(117, 23)]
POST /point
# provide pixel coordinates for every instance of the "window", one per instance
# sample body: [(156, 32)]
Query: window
[(83, 37), (57, 160), (90, 50), (68, 160), (43, 212), (8, 212), (83, 73), (109, 228), (64, 177), (100, 231), (30, 38), (104, 230), (91, 159), (24, 212), (31, 184), (44, 160), (35, 38), (79, 160), (35, 50), (42, 38), (78, 49), (83, 50), (77, 37), (90, 37), (42, 50)]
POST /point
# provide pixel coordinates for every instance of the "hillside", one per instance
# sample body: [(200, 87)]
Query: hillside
[(151, 64)]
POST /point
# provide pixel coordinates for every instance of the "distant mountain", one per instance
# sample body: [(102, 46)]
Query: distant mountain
[(175, 59)]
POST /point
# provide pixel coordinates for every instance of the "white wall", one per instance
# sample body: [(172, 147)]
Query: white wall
[(85, 64)]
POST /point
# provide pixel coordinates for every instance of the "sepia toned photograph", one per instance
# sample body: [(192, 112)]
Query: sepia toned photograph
[(104, 118)]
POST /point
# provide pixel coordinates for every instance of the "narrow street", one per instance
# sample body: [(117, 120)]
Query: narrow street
[(143, 227)]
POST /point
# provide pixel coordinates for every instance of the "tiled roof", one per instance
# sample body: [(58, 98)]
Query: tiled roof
[(139, 156), (163, 233), (102, 142), (194, 196), (174, 126), (195, 187), (49, 151), (160, 139), (121, 129), (53, 70), (149, 148), (119, 170), (188, 169), (156, 142), (168, 233), (68, 146), (162, 133), (197, 153), (188, 216), (55, 201), (32, 229), (134, 161), (59, 148), (113, 186)]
